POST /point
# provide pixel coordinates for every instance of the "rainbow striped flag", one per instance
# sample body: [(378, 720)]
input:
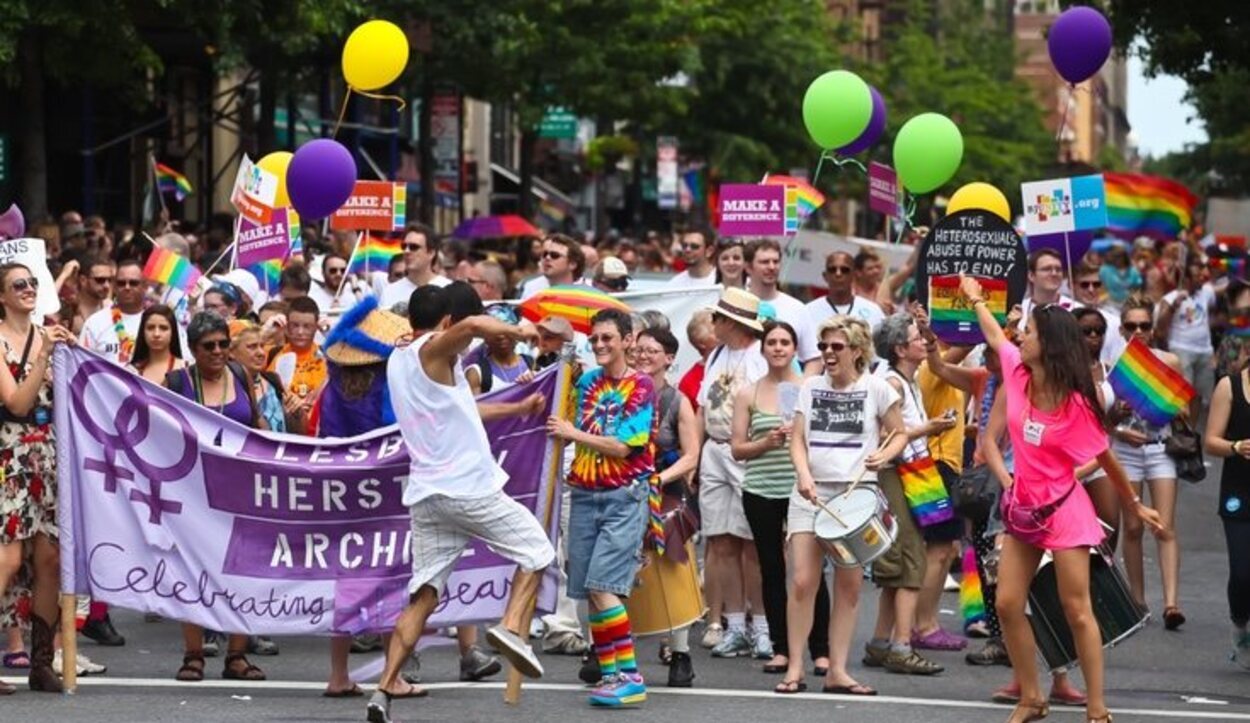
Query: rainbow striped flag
[(166, 267), (971, 596), (1239, 325), (1231, 265), (170, 181), (1141, 205), (1154, 390), (927, 498), (800, 194), (268, 274), (374, 254), (953, 319)]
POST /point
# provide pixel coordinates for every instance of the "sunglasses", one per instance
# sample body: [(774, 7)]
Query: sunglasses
[(1089, 284), (838, 270), (413, 247), (337, 270), (616, 284), (125, 283), (692, 247), (837, 346), (1094, 331), (219, 345), (20, 285), (552, 255), (605, 338), (1133, 328), (102, 279)]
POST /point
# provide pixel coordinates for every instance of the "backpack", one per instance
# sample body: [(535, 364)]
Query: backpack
[(176, 382), (483, 368)]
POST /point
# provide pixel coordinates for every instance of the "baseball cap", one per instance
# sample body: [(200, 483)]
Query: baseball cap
[(558, 326), (612, 268)]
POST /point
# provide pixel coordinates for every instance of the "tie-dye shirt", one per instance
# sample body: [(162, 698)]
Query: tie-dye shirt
[(622, 409)]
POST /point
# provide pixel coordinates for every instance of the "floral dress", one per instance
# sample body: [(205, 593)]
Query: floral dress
[(27, 483)]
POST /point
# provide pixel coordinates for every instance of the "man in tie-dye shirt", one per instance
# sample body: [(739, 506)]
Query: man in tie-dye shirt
[(612, 467)]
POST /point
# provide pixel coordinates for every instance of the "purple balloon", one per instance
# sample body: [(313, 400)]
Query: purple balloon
[(876, 125), (1079, 43), (320, 178)]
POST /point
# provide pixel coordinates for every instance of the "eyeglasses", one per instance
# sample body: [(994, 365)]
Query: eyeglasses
[(219, 345), (125, 283), (648, 351), (838, 270), (1133, 328), (836, 346), (20, 285), (102, 279), (1050, 270), (605, 338), (1089, 284), (413, 247), (1094, 331), (552, 255)]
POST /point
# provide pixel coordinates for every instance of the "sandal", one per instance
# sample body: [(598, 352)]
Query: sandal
[(248, 671), (856, 689), (775, 668), (1103, 719), (190, 672), (1173, 618), (1032, 711), (17, 661), (790, 687), (6, 689)]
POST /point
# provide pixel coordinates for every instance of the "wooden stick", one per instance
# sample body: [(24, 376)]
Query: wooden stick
[(69, 642), (832, 514), (864, 470)]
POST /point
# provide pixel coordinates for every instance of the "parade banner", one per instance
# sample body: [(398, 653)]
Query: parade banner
[(167, 507), (1063, 205), (258, 243), (255, 192), (677, 305), (33, 254), (749, 209), (803, 256), (373, 206)]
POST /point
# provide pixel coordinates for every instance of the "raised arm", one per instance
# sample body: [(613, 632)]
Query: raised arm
[(456, 338), (993, 333)]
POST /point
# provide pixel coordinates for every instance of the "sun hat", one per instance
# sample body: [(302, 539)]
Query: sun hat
[(365, 334), (740, 305)]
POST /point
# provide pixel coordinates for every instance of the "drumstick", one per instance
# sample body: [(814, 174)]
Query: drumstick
[(832, 514), (864, 470)]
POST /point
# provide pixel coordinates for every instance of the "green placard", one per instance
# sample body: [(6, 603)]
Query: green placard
[(558, 123)]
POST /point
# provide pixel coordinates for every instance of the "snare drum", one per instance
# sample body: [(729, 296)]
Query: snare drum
[(869, 530), (1117, 615)]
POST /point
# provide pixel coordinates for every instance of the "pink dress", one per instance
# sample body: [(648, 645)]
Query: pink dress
[(1048, 448)]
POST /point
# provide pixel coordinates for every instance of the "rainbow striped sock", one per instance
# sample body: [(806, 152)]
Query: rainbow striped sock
[(615, 628), (605, 645), (971, 600)]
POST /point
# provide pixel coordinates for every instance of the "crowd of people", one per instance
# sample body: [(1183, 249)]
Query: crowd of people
[(689, 494)]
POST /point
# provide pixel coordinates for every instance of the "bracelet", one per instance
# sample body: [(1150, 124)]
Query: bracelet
[(977, 301), (1233, 446)]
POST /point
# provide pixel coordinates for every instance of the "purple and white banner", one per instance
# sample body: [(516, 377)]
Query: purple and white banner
[(261, 242), (167, 507)]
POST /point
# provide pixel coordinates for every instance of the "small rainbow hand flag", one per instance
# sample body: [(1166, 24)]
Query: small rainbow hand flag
[(927, 498), (1234, 266), (170, 181), (166, 267), (1154, 390), (374, 254), (799, 193), (1239, 325), (268, 274), (953, 319)]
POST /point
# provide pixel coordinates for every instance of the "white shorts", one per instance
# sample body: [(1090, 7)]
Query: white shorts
[(801, 516), (720, 492), (443, 526), (1146, 462)]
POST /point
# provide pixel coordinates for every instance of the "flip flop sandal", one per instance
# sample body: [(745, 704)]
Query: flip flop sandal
[(17, 661), (249, 671), (790, 687), (1173, 618), (774, 669), (414, 691), (857, 689), (352, 692), (189, 672)]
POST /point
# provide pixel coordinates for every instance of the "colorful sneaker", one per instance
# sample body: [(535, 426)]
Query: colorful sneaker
[(762, 647), (621, 690), (713, 635), (938, 640), (732, 645)]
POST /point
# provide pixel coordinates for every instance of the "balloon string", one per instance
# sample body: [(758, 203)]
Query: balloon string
[(342, 112), (402, 103), (851, 161), (1063, 119)]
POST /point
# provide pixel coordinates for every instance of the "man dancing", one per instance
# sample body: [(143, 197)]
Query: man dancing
[(612, 468), (454, 486)]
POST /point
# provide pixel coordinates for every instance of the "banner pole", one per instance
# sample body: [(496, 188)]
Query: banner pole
[(355, 250), (69, 642)]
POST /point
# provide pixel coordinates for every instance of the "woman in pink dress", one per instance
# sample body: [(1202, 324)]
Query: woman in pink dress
[(1055, 423)]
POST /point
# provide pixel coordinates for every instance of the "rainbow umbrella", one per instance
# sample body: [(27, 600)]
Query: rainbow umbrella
[(807, 198), (496, 227), (576, 304)]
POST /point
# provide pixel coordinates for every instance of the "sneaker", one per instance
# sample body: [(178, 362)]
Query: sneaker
[(515, 650), (621, 690), (366, 643), (411, 672), (713, 635), (379, 709), (475, 665), (681, 671), (762, 647), (732, 645), (212, 644), (938, 640), (992, 653), (566, 643), (910, 663), (1241, 648), (874, 657), (103, 632), (589, 673), (85, 666), (261, 645)]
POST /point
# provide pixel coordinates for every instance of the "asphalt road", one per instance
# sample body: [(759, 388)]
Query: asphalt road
[(1154, 676)]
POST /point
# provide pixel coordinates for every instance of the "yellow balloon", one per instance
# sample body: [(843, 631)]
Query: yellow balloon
[(374, 55), (981, 196), (276, 164)]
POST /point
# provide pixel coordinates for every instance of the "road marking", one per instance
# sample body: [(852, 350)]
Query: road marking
[(295, 685)]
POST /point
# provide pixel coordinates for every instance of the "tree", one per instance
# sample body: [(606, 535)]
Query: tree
[(1191, 40)]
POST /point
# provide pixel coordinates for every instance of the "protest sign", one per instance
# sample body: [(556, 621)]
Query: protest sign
[(170, 508), (803, 256), (373, 206), (261, 242), (666, 172), (33, 254), (1063, 205), (980, 244), (882, 189), (749, 209), (677, 305), (255, 192)]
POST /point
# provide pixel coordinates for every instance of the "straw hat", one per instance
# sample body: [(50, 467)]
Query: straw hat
[(740, 305), (365, 334)]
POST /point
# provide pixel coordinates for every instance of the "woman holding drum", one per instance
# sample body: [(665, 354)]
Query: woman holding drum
[(838, 424), (1054, 420)]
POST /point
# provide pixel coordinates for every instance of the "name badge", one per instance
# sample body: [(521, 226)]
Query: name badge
[(1033, 432)]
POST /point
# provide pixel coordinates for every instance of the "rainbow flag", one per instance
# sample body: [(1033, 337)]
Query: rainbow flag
[(170, 181), (374, 254), (1233, 266), (953, 319), (1154, 390), (971, 597), (927, 498), (801, 194), (166, 267), (1239, 325), (268, 274), (1141, 205)]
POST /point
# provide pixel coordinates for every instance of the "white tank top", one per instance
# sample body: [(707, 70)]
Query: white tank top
[(443, 431), (914, 415)]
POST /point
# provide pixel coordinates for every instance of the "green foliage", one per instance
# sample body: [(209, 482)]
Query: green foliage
[(1187, 39), (604, 151)]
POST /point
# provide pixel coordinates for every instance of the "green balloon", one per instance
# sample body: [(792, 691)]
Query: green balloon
[(837, 108), (927, 152)]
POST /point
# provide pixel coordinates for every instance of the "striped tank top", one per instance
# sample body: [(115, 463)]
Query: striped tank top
[(772, 474)]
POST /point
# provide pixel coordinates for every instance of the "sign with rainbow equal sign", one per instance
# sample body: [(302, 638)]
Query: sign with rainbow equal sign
[(952, 317)]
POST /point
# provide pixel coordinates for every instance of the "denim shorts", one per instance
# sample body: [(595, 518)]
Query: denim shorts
[(605, 539), (1146, 462)]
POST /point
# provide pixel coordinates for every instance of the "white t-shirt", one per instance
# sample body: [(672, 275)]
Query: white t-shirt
[(401, 290), (1026, 308), (443, 432), (685, 281), (540, 282), (728, 371), (842, 425), (99, 334), (324, 296), (1191, 322), (820, 310), (792, 311)]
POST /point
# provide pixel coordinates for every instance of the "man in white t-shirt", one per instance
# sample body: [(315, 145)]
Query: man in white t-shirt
[(736, 363), (421, 247), (562, 262), (1045, 281), (698, 248), (454, 487), (763, 257), (333, 271), (841, 299), (1183, 318), (1088, 292), (112, 332)]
